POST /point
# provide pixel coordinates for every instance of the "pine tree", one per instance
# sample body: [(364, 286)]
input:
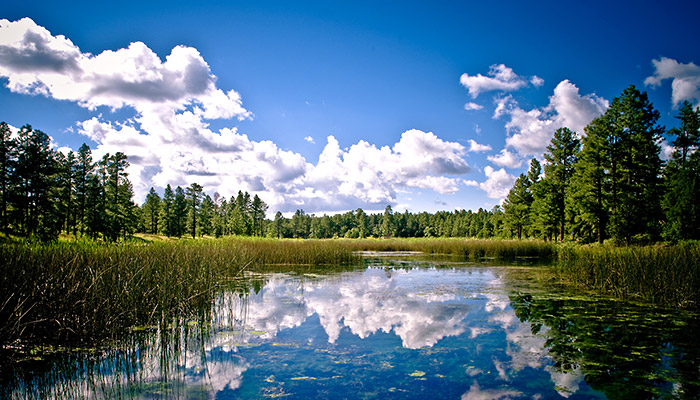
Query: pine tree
[(561, 158), (636, 167), (7, 159), (34, 175), (258, 210), (206, 216), (589, 195), (82, 172), (517, 206), (179, 212), (681, 202), (151, 211), (194, 196), (167, 215)]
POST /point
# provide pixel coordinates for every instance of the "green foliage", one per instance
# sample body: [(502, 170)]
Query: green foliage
[(681, 201), (517, 205)]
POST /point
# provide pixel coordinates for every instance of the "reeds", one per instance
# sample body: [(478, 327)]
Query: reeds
[(470, 249), (80, 293), (664, 274)]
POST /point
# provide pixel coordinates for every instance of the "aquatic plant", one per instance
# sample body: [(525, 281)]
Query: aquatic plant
[(471, 249), (662, 274), (83, 292)]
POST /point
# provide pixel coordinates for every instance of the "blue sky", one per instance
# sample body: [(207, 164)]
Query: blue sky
[(330, 106)]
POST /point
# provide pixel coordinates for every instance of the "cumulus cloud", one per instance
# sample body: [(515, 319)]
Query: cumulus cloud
[(374, 175), (309, 139), (685, 79), (35, 61), (499, 78), (506, 159), (168, 139), (497, 183), (477, 147), (472, 106), (530, 131)]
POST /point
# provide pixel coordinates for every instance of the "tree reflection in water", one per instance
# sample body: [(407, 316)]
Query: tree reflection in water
[(627, 351), (396, 329)]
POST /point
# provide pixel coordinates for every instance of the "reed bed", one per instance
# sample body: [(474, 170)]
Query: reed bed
[(79, 293), (663, 274), (470, 249)]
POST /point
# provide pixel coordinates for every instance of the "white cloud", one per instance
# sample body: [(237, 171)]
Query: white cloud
[(685, 79), (472, 106), (168, 139), (374, 175), (531, 131), (310, 139), (477, 147), (34, 61), (506, 159), (476, 393), (471, 183), (499, 77), (536, 81), (497, 184), (666, 150)]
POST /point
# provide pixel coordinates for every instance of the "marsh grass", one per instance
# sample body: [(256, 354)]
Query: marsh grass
[(663, 274), (469, 249), (80, 293)]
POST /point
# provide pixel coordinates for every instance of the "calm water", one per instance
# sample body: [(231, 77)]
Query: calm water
[(397, 328)]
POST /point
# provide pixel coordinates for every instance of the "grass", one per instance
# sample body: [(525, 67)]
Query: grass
[(84, 292), (667, 275), (470, 249)]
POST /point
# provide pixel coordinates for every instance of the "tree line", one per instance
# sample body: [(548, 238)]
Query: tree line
[(611, 182), (44, 193), (607, 184)]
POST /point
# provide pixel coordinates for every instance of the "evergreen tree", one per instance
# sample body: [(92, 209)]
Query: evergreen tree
[(179, 212), (151, 211), (388, 227), (681, 202), (258, 210), (517, 206), (34, 176), (82, 172), (279, 224), (206, 216), (118, 192), (636, 166), (194, 196), (167, 212), (561, 158), (7, 158), (589, 189)]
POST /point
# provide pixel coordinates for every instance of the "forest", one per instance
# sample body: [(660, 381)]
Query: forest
[(609, 183)]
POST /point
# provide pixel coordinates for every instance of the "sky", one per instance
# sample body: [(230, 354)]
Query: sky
[(329, 106)]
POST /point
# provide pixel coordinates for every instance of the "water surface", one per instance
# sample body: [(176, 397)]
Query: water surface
[(400, 327)]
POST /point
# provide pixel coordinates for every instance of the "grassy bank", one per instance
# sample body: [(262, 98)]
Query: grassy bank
[(663, 274)]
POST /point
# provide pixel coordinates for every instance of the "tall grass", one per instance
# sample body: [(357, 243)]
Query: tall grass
[(83, 292), (471, 249), (663, 274)]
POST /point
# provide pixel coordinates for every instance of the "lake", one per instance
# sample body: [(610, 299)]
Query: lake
[(401, 326)]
